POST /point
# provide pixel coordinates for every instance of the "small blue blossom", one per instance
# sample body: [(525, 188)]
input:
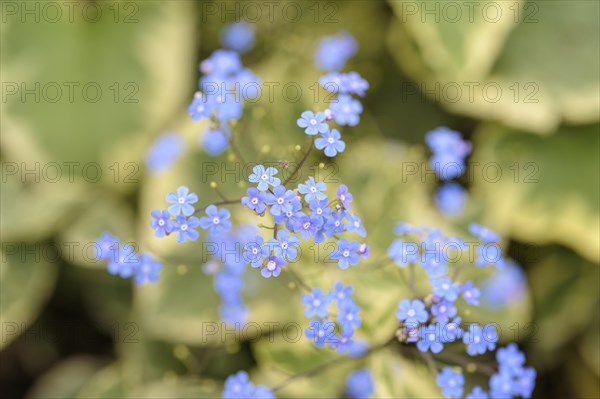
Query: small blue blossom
[(286, 245), (312, 190), (106, 246), (238, 36), (316, 303), (147, 270), (165, 150), (215, 141), (354, 224), (452, 382), (449, 152), (430, 339), (161, 223), (433, 265), (525, 382), (477, 393), (320, 209), (273, 266), (332, 142), (489, 254), (346, 253), (221, 63), (255, 251), (443, 287), (359, 384), (450, 199), (344, 342), (264, 177), (262, 392), (182, 202), (280, 200), (451, 330), (185, 228), (201, 107), (308, 226), (314, 123), (216, 221), (443, 311), (470, 293), (321, 332), (348, 316), (346, 110), (502, 386), (412, 312), (238, 386), (355, 84), (480, 340), (344, 196), (510, 359), (334, 51), (125, 261), (335, 224), (364, 251), (341, 294), (255, 200), (292, 216)]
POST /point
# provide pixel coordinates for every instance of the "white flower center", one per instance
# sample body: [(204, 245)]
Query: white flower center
[(321, 333), (306, 225), (284, 245), (181, 200), (313, 189), (161, 222), (337, 223), (443, 308), (280, 201), (319, 211), (349, 316), (445, 286), (468, 294), (316, 303), (184, 227), (343, 197), (346, 109), (330, 140), (255, 250), (254, 200), (216, 221), (313, 122), (477, 339), (346, 254), (271, 265), (264, 177), (431, 337), (289, 214), (410, 313)]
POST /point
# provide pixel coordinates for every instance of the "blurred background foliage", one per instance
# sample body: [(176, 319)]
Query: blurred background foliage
[(83, 333)]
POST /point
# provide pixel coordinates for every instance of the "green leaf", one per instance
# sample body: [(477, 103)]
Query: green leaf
[(547, 187)]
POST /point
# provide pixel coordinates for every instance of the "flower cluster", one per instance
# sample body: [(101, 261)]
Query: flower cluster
[(303, 213), (224, 86), (344, 109), (323, 329), (448, 160), (123, 260), (239, 386)]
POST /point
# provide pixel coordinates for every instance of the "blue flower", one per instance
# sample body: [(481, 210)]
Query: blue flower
[(320, 209), (354, 224), (443, 311), (412, 312), (344, 196), (506, 286), (451, 330), (228, 286), (217, 220), (346, 253), (346, 110), (510, 359), (255, 200), (215, 141), (264, 177), (106, 246), (483, 233), (470, 293), (255, 251), (262, 392), (125, 261), (285, 245), (147, 270), (344, 342), (403, 252), (291, 216), (280, 200), (430, 339), (185, 228), (161, 222), (342, 294), (348, 316), (480, 340), (334, 51), (477, 393), (525, 382), (502, 386), (355, 84), (449, 152), (314, 123), (443, 287), (450, 199), (335, 225), (364, 251), (316, 303), (308, 226), (221, 63), (273, 266), (238, 36), (451, 382), (182, 202), (359, 384), (321, 332), (489, 253), (167, 148), (238, 386), (201, 107), (312, 190), (331, 142)]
